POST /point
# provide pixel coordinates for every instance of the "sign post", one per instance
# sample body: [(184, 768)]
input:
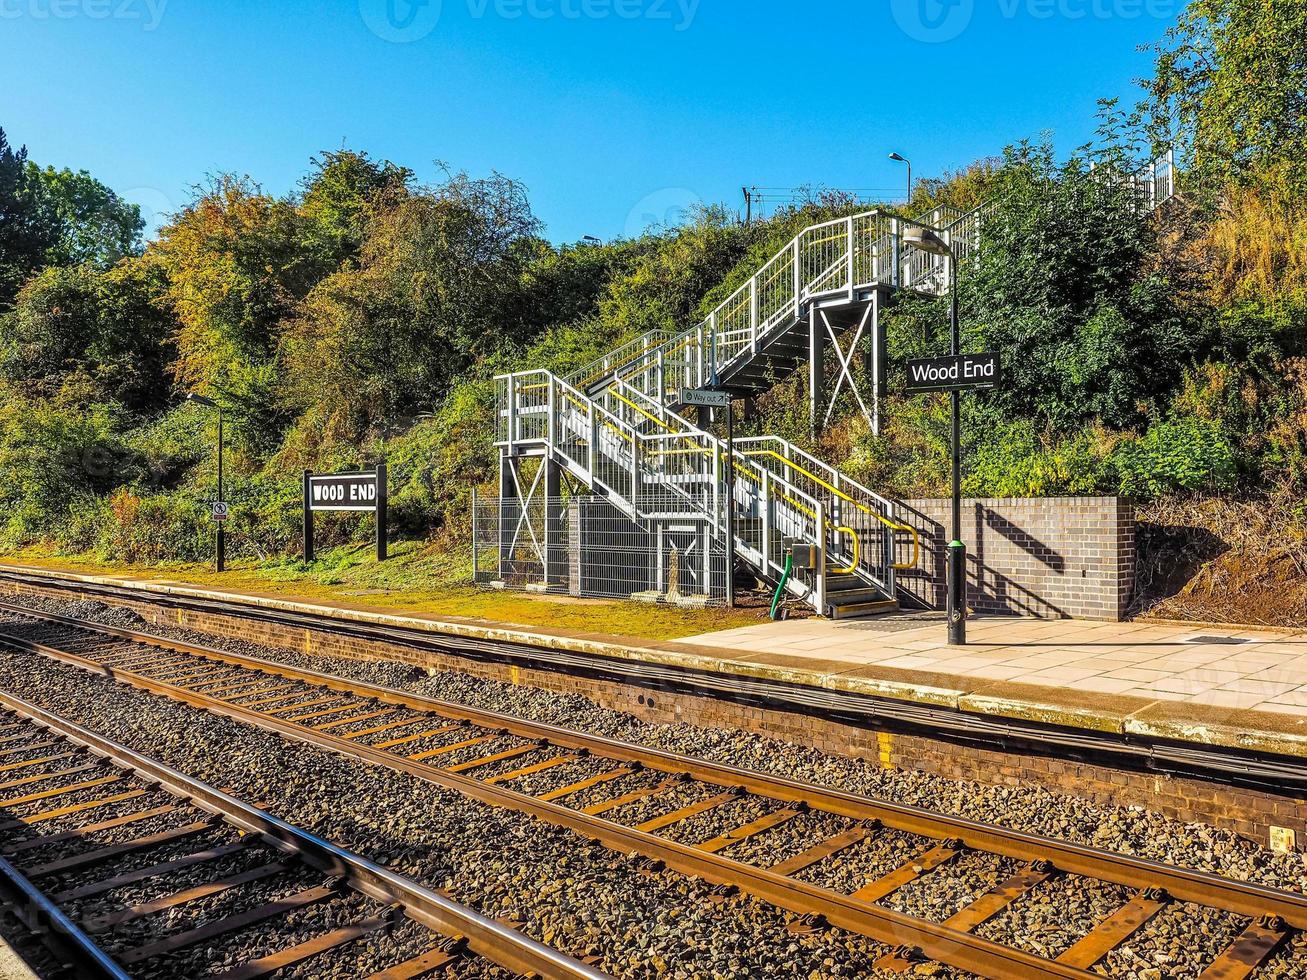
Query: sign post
[(359, 491), (955, 374)]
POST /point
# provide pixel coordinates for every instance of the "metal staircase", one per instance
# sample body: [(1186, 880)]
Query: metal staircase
[(618, 429)]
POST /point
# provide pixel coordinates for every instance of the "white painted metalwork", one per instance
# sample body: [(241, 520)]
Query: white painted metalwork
[(617, 429)]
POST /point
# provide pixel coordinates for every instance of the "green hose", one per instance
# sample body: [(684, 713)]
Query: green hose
[(780, 588)]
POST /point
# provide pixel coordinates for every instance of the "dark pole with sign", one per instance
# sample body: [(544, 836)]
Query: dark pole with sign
[(957, 551), (960, 372), (308, 517), (381, 509)]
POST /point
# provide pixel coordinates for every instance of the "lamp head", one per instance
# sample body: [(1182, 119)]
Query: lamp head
[(899, 157), (201, 400), (928, 240)]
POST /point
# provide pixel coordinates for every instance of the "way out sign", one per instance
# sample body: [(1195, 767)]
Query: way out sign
[(952, 373), (363, 491)]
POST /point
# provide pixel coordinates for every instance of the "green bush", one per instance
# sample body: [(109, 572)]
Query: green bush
[(1183, 454)]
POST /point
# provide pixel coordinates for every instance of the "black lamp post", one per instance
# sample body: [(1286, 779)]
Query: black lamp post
[(899, 158), (929, 240), (222, 530)]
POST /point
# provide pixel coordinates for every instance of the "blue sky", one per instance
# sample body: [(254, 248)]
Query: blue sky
[(614, 113)]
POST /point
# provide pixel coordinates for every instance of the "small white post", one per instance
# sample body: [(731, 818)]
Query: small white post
[(819, 573), (766, 518)]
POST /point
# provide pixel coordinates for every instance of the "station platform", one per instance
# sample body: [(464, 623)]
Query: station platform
[(1211, 686)]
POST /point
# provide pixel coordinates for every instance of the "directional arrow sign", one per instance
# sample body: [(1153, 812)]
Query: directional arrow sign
[(952, 373), (705, 398)]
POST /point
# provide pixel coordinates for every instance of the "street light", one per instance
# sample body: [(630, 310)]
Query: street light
[(222, 531), (899, 158), (929, 240)]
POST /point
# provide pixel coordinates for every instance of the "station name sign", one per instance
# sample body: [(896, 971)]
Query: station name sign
[(343, 491), (953, 373)]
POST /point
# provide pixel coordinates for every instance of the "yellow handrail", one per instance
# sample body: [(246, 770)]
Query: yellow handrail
[(892, 525), (857, 545)]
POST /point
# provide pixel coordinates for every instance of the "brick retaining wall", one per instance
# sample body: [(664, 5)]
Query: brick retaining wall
[(1053, 557)]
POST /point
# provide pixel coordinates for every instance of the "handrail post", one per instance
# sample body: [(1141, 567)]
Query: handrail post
[(896, 276), (766, 519), (851, 262), (512, 411), (592, 450), (819, 573), (887, 534), (552, 403), (753, 314), (798, 278), (635, 471)]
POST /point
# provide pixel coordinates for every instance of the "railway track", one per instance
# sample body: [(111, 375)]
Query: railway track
[(126, 867), (658, 804)]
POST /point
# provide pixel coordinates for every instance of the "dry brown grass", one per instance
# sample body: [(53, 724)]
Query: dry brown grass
[(1224, 561)]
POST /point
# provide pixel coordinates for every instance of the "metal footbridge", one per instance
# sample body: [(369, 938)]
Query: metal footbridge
[(616, 430)]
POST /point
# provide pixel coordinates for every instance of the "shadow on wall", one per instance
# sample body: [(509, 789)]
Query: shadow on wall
[(989, 590)]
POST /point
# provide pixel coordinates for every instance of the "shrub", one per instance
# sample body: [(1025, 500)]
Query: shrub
[(1180, 454)]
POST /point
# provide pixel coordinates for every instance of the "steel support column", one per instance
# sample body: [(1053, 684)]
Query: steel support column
[(816, 372)]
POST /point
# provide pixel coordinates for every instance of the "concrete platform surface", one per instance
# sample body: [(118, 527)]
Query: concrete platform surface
[(1220, 686)]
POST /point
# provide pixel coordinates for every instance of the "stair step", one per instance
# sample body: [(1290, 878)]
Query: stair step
[(855, 610), (862, 593)]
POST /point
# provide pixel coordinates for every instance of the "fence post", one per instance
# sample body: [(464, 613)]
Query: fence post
[(475, 555), (383, 495), (308, 516)]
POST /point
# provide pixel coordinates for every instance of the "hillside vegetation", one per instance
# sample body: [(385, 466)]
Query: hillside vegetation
[(364, 315)]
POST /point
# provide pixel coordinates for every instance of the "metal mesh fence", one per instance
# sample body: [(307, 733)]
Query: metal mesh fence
[(587, 546)]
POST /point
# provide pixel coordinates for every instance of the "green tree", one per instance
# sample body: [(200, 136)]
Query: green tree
[(341, 193), (28, 227), (95, 224), (105, 326), (431, 296), (1231, 86)]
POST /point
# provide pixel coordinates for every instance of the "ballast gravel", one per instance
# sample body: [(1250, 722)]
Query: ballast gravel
[(574, 895)]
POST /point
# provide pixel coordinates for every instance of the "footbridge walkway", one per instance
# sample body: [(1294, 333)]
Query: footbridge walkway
[(649, 510)]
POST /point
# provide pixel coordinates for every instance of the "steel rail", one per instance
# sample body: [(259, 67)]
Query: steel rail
[(496, 942), (1184, 884), (1209, 890), (1224, 765), (937, 942)]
